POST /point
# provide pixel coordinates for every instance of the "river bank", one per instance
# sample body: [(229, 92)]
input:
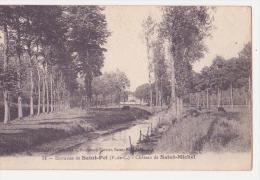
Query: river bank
[(24, 136), (200, 132)]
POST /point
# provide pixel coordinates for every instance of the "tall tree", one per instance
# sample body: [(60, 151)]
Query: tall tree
[(220, 81), (5, 20), (149, 28), (185, 28), (17, 35), (245, 66), (159, 70), (88, 33)]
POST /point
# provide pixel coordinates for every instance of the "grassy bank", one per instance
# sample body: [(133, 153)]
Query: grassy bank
[(208, 132), (22, 135)]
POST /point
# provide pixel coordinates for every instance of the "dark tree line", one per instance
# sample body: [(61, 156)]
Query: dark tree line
[(44, 50)]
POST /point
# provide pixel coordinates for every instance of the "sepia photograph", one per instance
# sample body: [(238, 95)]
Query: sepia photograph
[(126, 87)]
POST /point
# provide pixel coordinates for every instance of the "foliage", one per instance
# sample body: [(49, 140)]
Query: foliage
[(111, 84), (142, 92), (186, 28)]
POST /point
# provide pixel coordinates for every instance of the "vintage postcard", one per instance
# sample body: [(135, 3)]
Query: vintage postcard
[(126, 87)]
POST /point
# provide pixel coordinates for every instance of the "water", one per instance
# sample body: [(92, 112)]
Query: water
[(117, 142)]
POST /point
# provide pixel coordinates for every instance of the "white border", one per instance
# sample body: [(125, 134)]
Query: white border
[(132, 175)]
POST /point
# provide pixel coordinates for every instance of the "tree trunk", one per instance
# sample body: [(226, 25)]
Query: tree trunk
[(207, 98), (203, 100), (58, 100), (159, 98), (156, 92), (245, 96), (173, 100), (31, 90), (54, 100), (39, 91), (19, 99), (5, 90), (51, 79), (190, 99), (43, 93), (150, 70), (20, 109), (198, 99), (231, 96), (161, 93), (179, 107), (151, 94), (219, 97), (7, 107), (18, 53), (47, 93)]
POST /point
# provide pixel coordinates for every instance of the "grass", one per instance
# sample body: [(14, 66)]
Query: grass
[(23, 135), (208, 132), (231, 133)]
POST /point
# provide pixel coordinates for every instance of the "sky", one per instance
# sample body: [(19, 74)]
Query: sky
[(126, 49)]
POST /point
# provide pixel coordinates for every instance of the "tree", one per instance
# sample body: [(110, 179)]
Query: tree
[(60, 43), (233, 75), (5, 20), (36, 36), (220, 81), (88, 33), (224, 75), (142, 92), (17, 35), (245, 66), (149, 30), (160, 73), (112, 84), (185, 28)]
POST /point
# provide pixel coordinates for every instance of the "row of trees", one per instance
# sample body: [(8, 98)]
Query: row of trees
[(110, 88), (157, 65), (226, 75), (173, 45), (180, 35), (44, 50), (213, 85)]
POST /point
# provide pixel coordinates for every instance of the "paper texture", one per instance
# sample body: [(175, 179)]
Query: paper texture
[(126, 87)]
